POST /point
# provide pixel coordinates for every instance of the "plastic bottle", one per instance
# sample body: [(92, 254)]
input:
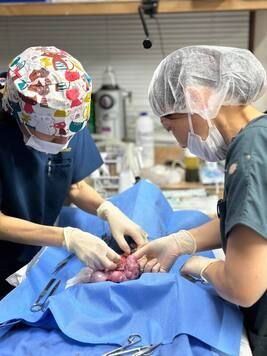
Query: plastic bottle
[(109, 79), (191, 163), (144, 138), (211, 173), (126, 176)]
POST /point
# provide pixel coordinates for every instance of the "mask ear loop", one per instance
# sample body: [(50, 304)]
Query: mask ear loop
[(28, 131), (190, 123), (24, 130), (209, 123)]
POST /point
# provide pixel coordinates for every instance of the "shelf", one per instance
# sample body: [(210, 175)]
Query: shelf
[(111, 7)]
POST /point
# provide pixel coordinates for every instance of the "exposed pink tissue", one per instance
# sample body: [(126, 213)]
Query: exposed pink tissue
[(128, 269)]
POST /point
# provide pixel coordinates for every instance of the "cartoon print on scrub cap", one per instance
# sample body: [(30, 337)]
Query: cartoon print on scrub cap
[(200, 79), (49, 90)]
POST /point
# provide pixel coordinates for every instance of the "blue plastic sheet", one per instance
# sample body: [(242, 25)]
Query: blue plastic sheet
[(161, 307), (36, 341)]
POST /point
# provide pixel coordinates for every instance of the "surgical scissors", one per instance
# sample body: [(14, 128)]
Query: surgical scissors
[(133, 339), (39, 305)]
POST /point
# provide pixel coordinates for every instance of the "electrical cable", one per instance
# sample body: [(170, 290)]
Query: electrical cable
[(160, 37), (146, 43)]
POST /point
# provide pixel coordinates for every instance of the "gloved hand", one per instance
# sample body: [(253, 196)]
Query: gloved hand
[(121, 225), (195, 266), (90, 249), (162, 253)]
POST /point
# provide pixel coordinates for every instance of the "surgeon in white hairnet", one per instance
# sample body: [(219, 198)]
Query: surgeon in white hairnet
[(203, 95)]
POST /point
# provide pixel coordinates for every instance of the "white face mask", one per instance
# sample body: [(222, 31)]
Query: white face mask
[(44, 146), (213, 149)]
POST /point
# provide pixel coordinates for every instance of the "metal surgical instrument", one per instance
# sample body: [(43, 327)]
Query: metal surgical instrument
[(63, 263), (51, 286), (136, 351), (133, 339), (191, 277), (39, 304), (147, 351)]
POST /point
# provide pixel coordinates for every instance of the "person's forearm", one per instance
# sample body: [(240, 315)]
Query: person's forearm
[(215, 273), (85, 197), (207, 236), (25, 232)]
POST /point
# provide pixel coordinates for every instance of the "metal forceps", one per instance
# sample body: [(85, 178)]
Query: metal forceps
[(133, 339), (191, 277), (146, 350), (51, 287), (136, 351), (63, 263)]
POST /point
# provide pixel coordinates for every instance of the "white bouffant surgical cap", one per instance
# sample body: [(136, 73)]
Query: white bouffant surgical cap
[(200, 79)]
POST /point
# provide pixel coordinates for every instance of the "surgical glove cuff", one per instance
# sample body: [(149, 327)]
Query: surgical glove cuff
[(67, 242), (186, 243), (104, 209), (203, 269)]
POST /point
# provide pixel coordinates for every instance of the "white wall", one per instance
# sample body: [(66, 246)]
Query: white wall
[(260, 48)]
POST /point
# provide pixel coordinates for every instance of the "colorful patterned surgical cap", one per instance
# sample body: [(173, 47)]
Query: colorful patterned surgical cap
[(48, 90)]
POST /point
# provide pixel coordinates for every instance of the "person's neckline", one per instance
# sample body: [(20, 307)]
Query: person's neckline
[(248, 124)]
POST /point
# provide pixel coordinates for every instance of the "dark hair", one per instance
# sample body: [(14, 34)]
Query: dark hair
[(4, 115)]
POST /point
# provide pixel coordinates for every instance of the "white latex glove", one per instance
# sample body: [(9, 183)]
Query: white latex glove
[(162, 253), (195, 266), (121, 225), (90, 249)]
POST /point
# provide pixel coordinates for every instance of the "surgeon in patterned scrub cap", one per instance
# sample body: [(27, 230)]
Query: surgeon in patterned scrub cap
[(46, 151), (204, 96)]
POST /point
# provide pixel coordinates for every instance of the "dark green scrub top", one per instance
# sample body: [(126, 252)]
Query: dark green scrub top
[(245, 202), (246, 180)]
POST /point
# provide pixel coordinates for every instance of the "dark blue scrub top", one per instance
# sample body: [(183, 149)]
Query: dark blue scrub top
[(34, 185)]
